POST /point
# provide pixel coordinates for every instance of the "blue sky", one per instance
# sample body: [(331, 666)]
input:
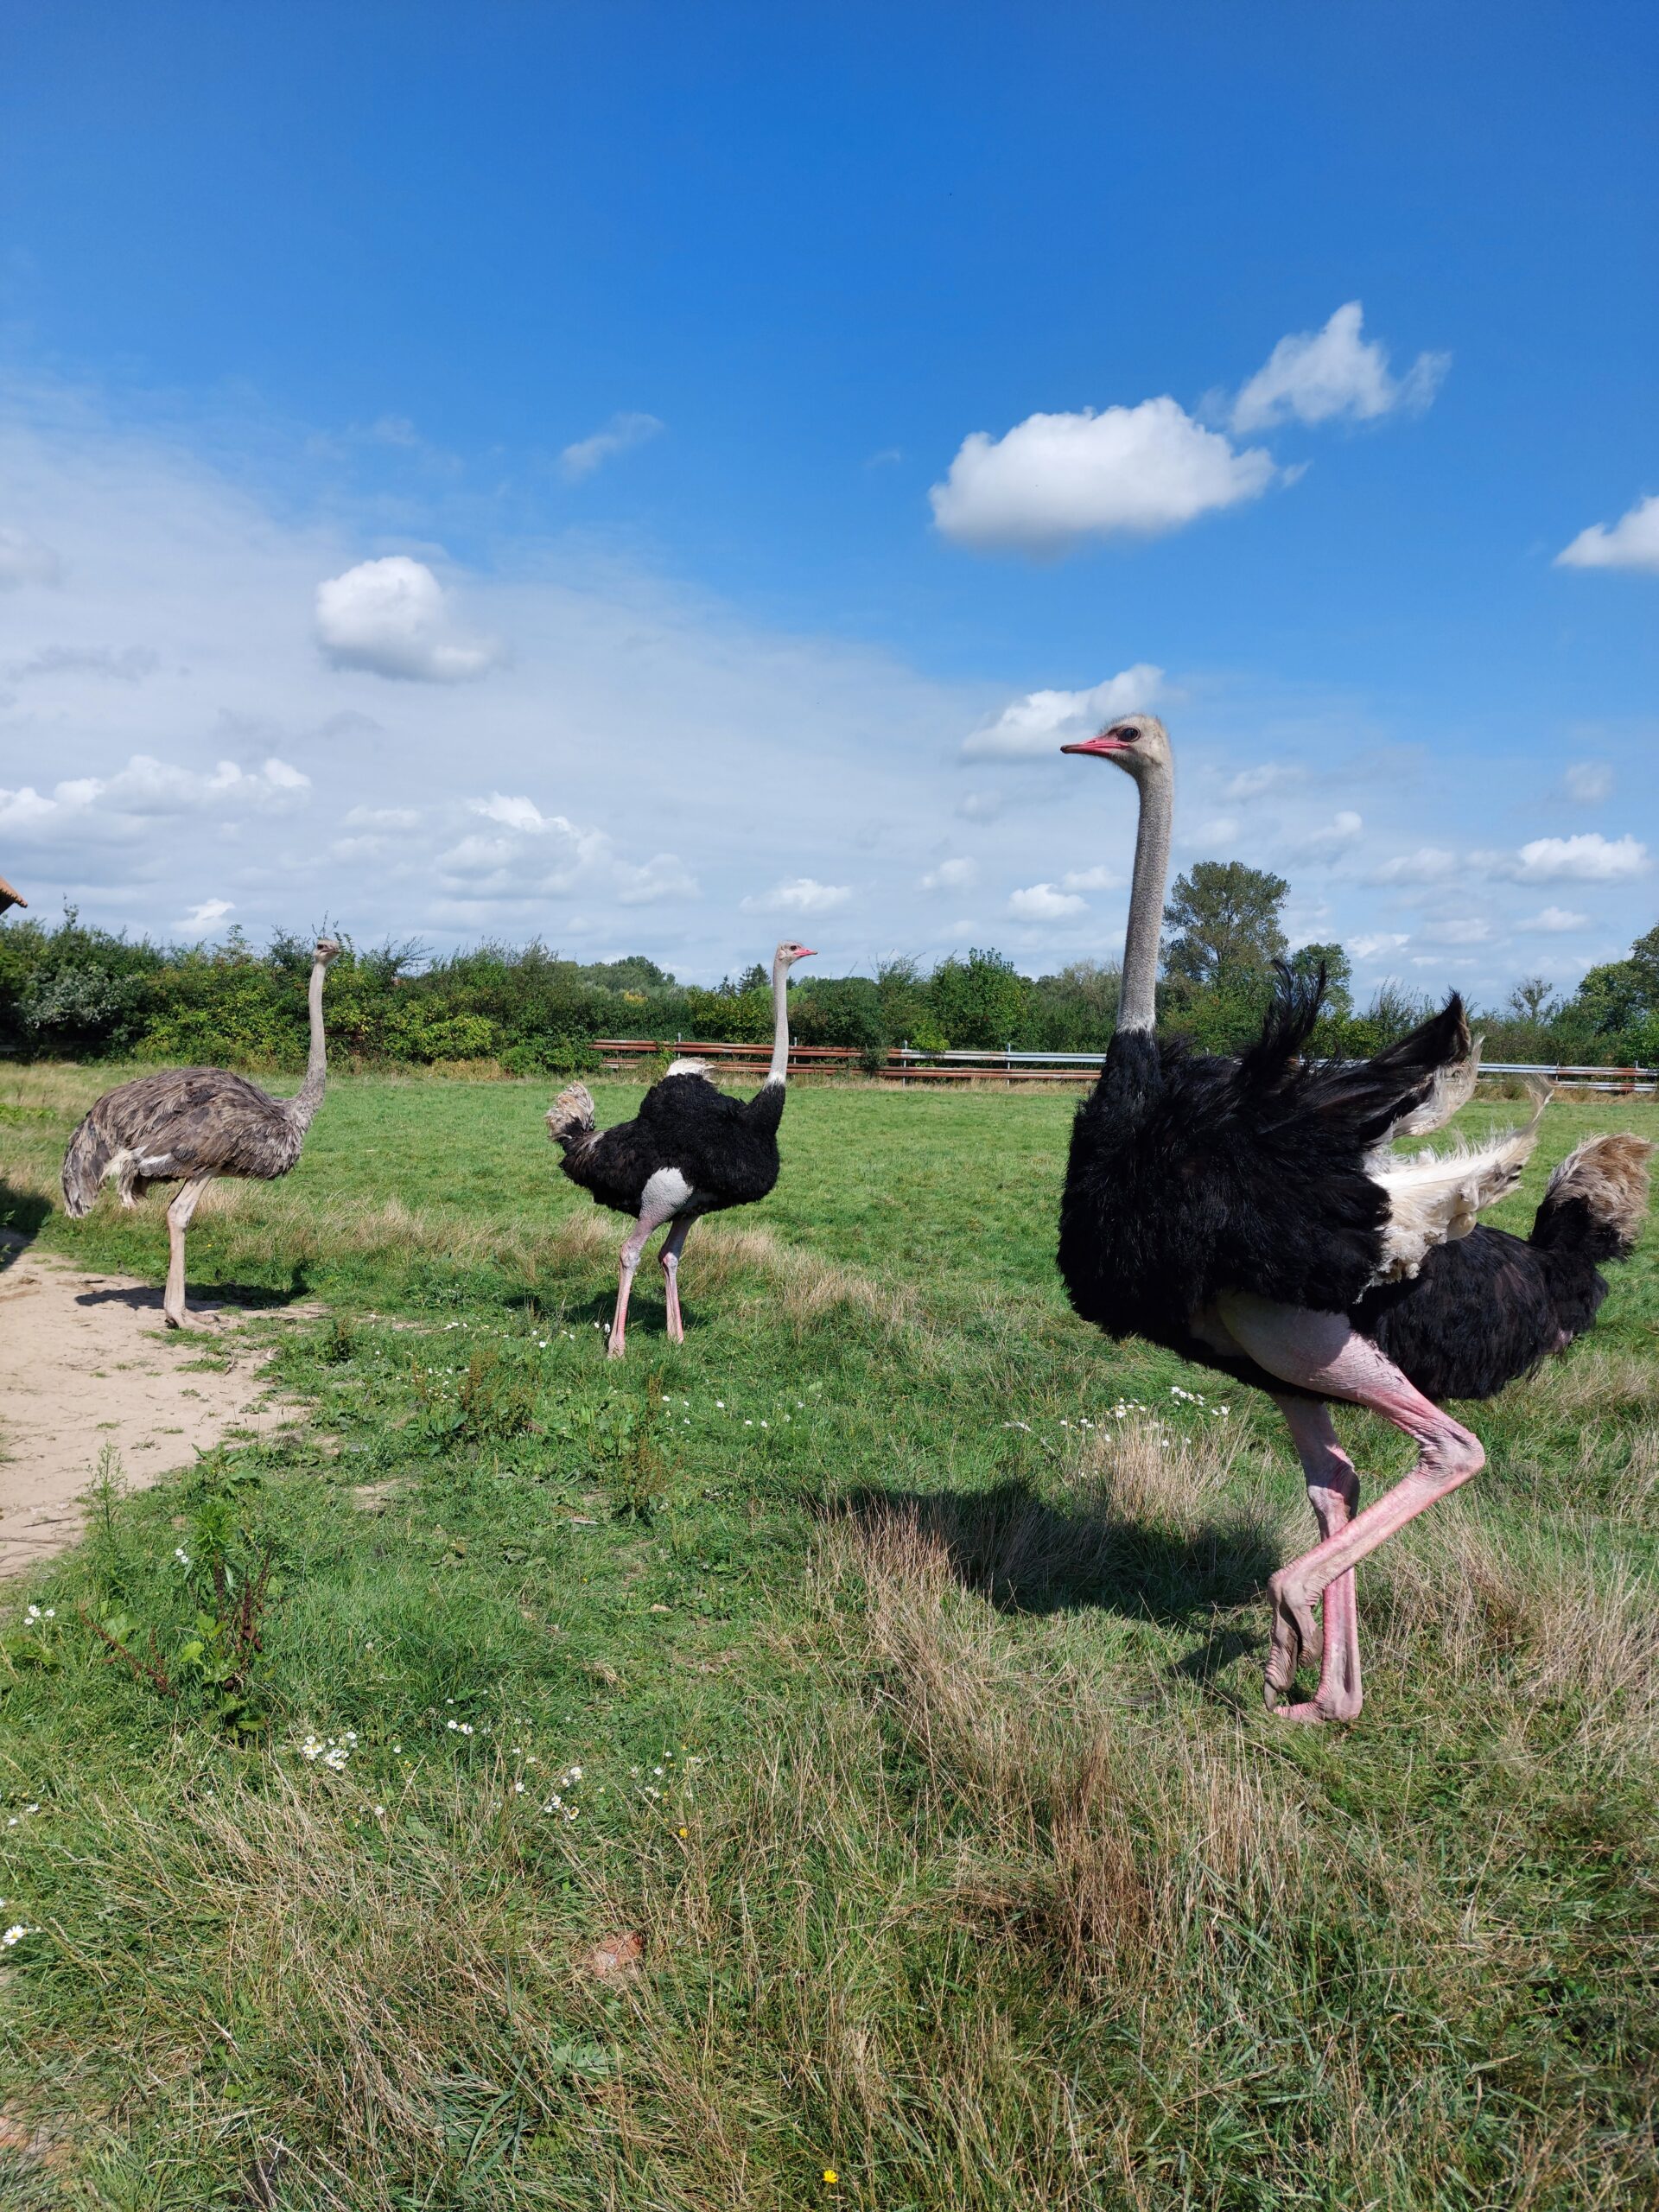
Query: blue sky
[(656, 478)]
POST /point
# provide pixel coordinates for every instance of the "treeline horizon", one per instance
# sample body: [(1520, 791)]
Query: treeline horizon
[(72, 991)]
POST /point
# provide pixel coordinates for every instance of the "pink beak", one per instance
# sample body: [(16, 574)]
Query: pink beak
[(1105, 743), (804, 952)]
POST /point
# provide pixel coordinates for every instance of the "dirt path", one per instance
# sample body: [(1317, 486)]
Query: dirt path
[(85, 1362)]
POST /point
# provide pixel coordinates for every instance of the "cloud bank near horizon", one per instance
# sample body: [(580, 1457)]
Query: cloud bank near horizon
[(213, 713)]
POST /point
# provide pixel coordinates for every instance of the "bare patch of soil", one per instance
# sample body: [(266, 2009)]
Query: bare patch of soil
[(85, 1361)]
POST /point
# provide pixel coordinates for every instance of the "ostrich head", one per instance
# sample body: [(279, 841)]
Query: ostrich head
[(327, 950), (1135, 744), (788, 952)]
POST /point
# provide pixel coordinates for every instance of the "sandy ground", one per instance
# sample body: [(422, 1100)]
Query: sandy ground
[(85, 1362)]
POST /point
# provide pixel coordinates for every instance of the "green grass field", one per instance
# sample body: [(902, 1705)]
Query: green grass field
[(914, 1688)]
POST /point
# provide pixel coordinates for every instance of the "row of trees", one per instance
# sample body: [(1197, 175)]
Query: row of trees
[(73, 992)]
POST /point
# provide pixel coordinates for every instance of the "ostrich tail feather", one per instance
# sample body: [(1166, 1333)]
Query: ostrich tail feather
[(570, 1117), (88, 1160)]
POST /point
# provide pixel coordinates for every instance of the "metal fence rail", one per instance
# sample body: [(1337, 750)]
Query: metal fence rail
[(905, 1064)]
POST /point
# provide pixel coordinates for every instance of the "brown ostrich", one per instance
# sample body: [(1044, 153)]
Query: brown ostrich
[(188, 1125)]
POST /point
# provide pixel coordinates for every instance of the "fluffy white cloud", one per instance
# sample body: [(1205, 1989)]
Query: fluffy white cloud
[(25, 560), (1056, 478), (951, 875), (389, 617), (1589, 780), (1039, 723), (1587, 858), (1251, 783), (1091, 879), (622, 432), (147, 786), (202, 919), (1330, 837), (800, 894), (1045, 902), (537, 855), (1428, 864), (1318, 375), (1458, 928), (1632, 542), (1378, 944), (1555, 921), (381, 818)]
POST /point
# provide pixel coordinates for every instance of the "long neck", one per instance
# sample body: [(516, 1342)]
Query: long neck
[(304, 1103), (1137, 1003), (779, 1071)]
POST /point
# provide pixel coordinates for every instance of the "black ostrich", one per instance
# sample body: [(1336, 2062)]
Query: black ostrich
[(688, 1151), (1249, 1215), (188, 1125)]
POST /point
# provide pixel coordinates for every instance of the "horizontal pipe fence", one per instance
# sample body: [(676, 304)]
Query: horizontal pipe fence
[(906, 1065)]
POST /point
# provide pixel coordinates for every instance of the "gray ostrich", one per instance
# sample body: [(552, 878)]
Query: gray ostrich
[(188, 1125)]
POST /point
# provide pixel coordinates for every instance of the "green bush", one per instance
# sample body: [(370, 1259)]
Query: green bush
[(67, 990)]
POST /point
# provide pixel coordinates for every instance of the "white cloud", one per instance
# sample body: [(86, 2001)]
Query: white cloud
[(1589, 780), (1378, 944), (1587, 858), (1555, 921), (1045, 902), (951, 875), (1318, 375), (1332, 837), (801, 894), (131, 666), (25, 560), (1056, 478), (200, 919), (1250, 783), (389, 618), (1428, 864), (381, 818), (979, 806), (622, 433), (546, 856), (1215, 829), (1462, 929), (147, 786), (518, 814), (1040, 722), (1632, 542), (1091, 879)]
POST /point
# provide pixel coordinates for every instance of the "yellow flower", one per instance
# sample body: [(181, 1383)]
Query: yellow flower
[(831, 2176)]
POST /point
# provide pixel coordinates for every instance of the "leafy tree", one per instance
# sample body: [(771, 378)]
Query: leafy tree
[(1532, 1000), (979, 1003), (1308, 959), (1226, 921), (1622, 995)]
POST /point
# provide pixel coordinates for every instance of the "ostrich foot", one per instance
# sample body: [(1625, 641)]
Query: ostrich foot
[(1331, 1643)]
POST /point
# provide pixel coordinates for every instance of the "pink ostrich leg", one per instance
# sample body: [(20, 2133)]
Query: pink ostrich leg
[(651, 1220), (673, 1245), (1333, 1492), (1321, 1353)]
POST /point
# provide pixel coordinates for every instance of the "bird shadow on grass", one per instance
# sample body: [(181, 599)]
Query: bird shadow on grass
[(21, 1213), (245, 1297), (1024, 1555)]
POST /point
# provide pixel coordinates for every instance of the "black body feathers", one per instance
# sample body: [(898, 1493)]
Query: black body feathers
[(1486, 1309), (1191, 1175), (724, 1148)]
